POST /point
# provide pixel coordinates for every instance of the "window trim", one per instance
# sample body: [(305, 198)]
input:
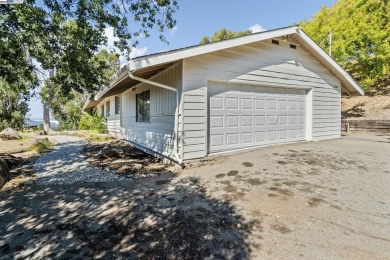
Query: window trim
[(137, 119)]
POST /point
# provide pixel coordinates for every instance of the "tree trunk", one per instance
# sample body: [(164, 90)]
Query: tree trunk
[(46, 109), (46, 116)]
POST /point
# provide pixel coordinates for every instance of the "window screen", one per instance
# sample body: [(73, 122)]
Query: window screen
[(108, 108), (143, 106), (117, 105), (102, 110)]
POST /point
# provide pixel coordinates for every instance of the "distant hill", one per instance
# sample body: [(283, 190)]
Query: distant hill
[(37, 122)]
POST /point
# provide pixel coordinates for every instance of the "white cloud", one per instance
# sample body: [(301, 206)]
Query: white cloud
[(257, 28), (135, 52), (109, 32), (173, 31)]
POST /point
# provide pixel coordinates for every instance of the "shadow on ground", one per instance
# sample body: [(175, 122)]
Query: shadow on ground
[(356, 111), (153, 218)]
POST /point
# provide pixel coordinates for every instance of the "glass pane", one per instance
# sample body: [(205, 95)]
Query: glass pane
[(143, 106), (117, 105)]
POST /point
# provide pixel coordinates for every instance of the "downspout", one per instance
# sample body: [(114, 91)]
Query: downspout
[(175, 146)]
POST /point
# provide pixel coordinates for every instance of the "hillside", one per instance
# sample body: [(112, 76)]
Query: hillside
[(366, 107)]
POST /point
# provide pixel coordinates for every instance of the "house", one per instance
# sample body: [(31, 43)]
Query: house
[(267, 88)]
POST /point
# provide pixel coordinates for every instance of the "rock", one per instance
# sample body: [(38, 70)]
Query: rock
[(9, 134), (11, 160), (29, 181), (156, 167), (4, 172), (109, 152), (42, 132), (100, 155), (137, 166)]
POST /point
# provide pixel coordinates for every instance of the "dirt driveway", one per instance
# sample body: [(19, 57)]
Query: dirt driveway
[(326, 200), (321, 200)]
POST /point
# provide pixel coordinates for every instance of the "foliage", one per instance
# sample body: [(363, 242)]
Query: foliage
[(68, 112), (361, 37), (67, 107), (93, 122), (65, 34), (13, 105), (223, 34), (41, 146), (17, 78)]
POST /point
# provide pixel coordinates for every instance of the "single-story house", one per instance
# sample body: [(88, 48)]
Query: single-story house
[(272, 87)]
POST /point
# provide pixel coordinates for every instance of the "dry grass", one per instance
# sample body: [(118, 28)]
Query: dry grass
[(90, 135), (366, 107)]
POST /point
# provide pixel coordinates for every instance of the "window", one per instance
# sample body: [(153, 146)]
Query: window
[(117, 105), (143, 106), (108, 108), (102, 110)]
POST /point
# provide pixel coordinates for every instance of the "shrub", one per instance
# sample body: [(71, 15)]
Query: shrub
[(41, 145), (93, 122)]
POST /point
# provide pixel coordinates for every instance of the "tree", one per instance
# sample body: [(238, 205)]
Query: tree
[(361, 37), (17, 78), (223, 34), (62, 36), (13, 105), (67, 107)]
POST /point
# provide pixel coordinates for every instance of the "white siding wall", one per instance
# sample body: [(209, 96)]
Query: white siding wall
[(265, 64), (158, 134), (113, 120)]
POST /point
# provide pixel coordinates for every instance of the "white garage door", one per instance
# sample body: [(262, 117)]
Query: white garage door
[(242, 116)]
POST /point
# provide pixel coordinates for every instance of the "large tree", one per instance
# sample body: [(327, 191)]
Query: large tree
[(223, 34), (67, 107), (361, 37), (62, 36)]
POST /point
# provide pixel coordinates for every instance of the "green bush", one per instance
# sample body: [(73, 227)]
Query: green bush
[(41, 145), (93, 122)]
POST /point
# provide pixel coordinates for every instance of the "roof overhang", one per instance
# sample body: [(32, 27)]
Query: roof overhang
[(150, 65)]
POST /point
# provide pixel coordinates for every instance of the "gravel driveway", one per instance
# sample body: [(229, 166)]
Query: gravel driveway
[(66, 164)]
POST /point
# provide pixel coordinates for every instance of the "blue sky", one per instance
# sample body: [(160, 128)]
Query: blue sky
[(198, 18)]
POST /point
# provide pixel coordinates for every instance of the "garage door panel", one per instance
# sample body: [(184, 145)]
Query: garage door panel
[(247, 138), (216, 121), (271, 135), (232, 121), (246, 103), (260, 136), (259, 104), (216, 140), (243, 116), (216, 102), (232, 139), (246, 121)]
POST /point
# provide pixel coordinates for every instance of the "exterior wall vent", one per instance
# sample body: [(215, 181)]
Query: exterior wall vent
[(292, 46), (275, 42)]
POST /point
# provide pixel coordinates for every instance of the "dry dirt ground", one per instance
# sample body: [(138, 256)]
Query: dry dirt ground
[(366, 107), (129, 162), (323, 200)]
